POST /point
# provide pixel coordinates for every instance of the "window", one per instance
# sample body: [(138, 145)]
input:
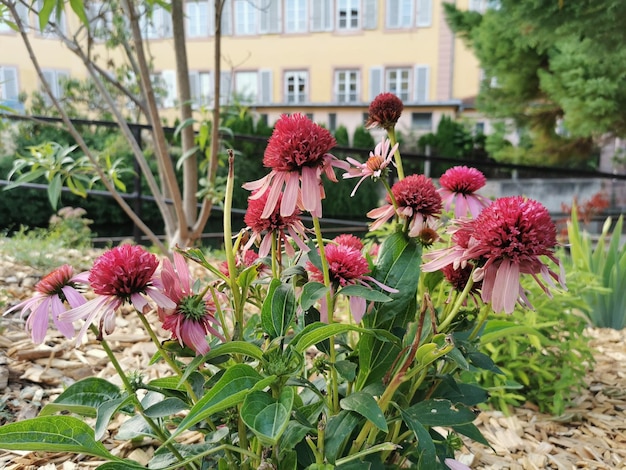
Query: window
[(347, 86), (321, 15), (296, 87), (332, 122), (483, 5), (201, 88), (156, 23), (348, 14), (399, 14), (247, 86), (397, 81), (197, 17), (100, 19), (55, 80), (295, 16), (269, 18), (164, 84), (424, 13), (245, 17), (9, 88), (422, 121)]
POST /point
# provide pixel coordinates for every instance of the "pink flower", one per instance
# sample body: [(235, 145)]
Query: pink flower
[(458, 187), (53, 291), (244, 260), (346, 266), (285, 228), (455, 465), (349, 240), (193, 317), (375, 165), (418, 202), (507, 239), (123, 274), (384, 111), (297, 153)]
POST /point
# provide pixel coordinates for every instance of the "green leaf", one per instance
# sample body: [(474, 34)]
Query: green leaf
[(167, 407), (230, 390), (426, 446), (52, 434), (364, 404), (79, 8), (123, 465), (83, 397), (338, 430), (45, 12), (470, 430), (438, 412), (375, 359), (54, 190), (106, 411), (235, 347), (365, 292), (346, 369), (397, 267), (279, 309), (267, 417), (318, 331), (311, 293)]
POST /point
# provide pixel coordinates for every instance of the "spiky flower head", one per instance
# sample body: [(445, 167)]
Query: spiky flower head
[(384, 111)]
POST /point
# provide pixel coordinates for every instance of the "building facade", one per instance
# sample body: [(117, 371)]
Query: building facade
[(325, 58)]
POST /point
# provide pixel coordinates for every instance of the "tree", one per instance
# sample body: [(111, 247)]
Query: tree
[(552, 67), (183, 222)]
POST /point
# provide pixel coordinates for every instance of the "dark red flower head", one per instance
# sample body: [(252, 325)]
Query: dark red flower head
[(297, 142), (384, 111), (417, 192), (275, 222), (345, 265), (123, 271)]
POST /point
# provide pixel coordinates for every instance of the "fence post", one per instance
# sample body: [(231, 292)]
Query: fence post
[(427, 162), (136, 131)]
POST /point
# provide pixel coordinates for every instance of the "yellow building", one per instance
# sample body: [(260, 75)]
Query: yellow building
[(325, 58)]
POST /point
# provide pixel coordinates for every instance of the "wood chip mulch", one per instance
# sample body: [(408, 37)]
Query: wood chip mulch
[(591, 435)]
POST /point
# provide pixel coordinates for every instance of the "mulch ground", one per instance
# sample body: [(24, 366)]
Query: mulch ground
[(590, 435)]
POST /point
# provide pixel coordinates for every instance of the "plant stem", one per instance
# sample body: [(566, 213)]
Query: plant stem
[(138, 406), (171, 362), (228, 243), (333, 385), (457, 305), (391, 132)]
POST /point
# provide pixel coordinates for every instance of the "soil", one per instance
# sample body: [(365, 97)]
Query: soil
[(590, 435)]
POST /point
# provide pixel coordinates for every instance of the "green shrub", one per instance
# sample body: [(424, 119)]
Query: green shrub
[(606, 265), (363, 139)]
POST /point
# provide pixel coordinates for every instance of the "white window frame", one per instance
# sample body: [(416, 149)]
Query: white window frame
[(246, 18), (197, 18), (296, 16), (54, 78), (247, 86), (399, 14), (398, 81), (347, 86), (296, 86), (201, 88), (5, 80), (352, 10)]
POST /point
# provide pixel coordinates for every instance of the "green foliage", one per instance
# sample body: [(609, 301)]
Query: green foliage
[(341, 136), (544, 354), (605, 266), (541, 73), (452, 139), (363, 139)]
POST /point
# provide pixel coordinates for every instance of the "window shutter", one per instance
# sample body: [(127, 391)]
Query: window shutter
[(392, 18), (211, 15), (9, 85), (421, 83), (194, 87), (166, 23), (169, 80), (424, 13), (270, 18), (265, 94), (227, 21), (321, 15), (370, 14), (376, 82), (206, 88)]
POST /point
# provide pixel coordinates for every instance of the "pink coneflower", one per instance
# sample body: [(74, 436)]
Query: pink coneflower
[(297, 153), (53, 291), (384, 111), (374, 167), (506, 240), (458, 187), (418, 202), (285, 228), (346, 266), (123, 274), (193, 317), (349, 240), (243, 260), (453, 464)]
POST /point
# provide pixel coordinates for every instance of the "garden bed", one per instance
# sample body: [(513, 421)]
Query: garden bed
[(591, 435)]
